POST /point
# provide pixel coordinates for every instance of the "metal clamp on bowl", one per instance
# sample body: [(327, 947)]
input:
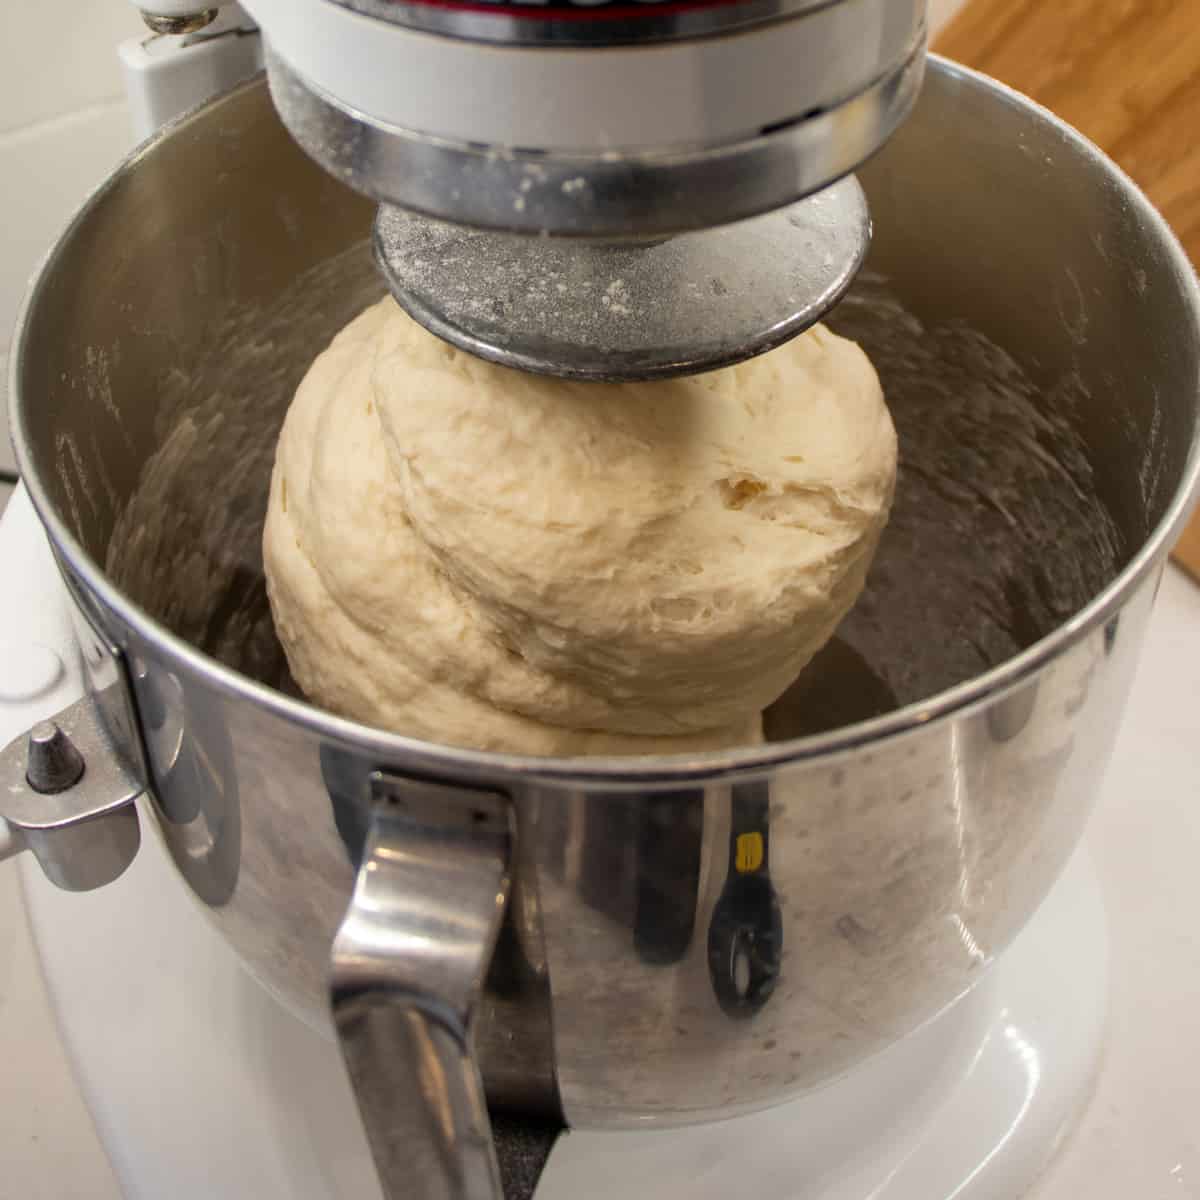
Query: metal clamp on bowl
[(68, 796)]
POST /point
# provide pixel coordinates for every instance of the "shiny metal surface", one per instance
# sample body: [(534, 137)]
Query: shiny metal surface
[(910, 819), (407, 971), (68, 796), (52, 762), (620, 311), (651, 193), (176, 24)]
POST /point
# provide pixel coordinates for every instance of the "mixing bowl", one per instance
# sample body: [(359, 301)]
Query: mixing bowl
[(614, 941)]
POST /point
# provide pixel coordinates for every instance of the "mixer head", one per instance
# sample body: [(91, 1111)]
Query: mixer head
[(603, 190)]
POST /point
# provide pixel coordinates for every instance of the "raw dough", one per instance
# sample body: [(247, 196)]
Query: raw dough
[(476, 556)]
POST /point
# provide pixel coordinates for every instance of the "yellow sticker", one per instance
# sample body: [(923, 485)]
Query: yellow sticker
[(749, 852)]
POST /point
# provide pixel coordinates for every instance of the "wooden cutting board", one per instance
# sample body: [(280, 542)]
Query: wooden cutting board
[(1126, 73)]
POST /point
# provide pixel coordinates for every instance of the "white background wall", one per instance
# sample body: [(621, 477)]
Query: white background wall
[(940, 11), (64, 124)]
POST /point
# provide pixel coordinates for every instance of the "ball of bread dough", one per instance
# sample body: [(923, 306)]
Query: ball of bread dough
[(473, 555)]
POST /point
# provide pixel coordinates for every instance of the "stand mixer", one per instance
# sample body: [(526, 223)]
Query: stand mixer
[(553, 921)]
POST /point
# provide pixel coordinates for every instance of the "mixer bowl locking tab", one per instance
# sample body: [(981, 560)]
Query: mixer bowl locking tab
[(69, 787)]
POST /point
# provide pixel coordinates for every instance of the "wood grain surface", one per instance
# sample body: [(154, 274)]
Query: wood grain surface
[(1126, 73)]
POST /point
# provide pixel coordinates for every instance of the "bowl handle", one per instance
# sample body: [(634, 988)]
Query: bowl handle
[(408, 965)]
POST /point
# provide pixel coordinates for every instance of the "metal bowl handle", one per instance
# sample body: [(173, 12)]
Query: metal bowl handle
[(408, 965)]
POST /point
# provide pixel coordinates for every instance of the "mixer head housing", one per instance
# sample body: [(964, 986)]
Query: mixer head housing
[(603, 123)]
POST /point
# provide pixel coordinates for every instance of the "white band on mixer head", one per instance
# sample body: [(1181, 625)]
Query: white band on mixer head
[(686, 93)]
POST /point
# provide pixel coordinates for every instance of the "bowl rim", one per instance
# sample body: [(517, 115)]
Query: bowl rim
[(954, 702)]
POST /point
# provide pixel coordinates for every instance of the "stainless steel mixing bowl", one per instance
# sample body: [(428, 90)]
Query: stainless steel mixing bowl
[(662, 939)]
